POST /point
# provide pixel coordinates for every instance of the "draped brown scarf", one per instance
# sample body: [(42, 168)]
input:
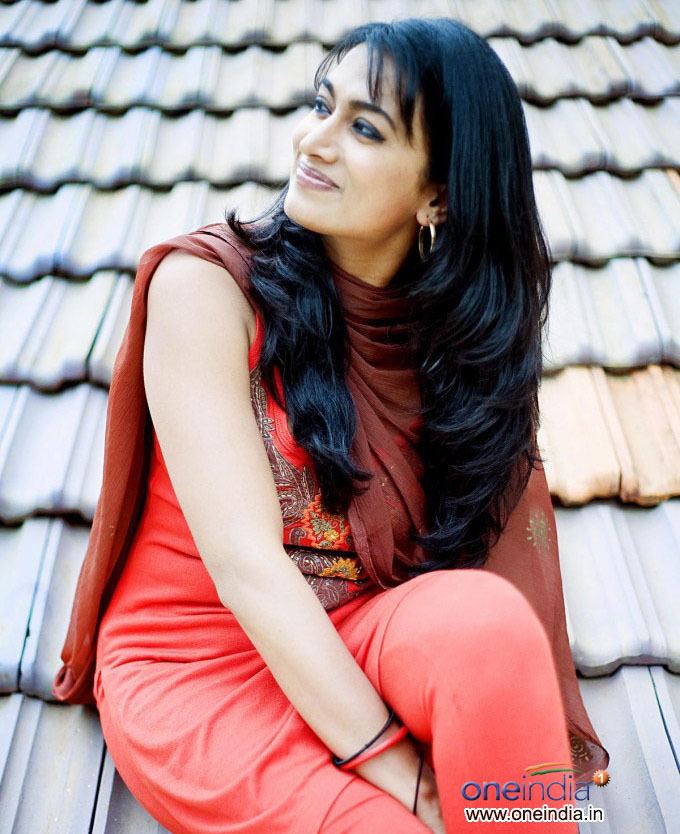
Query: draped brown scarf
[(383, 381), (384, 386)]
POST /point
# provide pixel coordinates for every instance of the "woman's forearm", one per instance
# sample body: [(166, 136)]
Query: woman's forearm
[(292, 632)]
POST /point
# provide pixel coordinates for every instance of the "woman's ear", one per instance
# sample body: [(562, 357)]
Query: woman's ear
[(440, 202), (435, 210)]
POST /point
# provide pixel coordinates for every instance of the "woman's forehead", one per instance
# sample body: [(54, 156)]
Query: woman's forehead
[(349, 78), (352, 71)]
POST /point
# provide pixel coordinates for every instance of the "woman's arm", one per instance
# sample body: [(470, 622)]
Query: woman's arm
[(198, 389)]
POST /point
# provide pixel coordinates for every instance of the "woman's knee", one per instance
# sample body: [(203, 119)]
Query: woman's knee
[(447, 610)]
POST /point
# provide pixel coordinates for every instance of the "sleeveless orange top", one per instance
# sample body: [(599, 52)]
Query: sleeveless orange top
[(165, 606), (318, 541)]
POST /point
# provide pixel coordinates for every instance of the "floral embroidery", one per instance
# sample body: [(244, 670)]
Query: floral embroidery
[(349, 568), (307, 524), (334, 580), (313, 561), (539, 530), (326, 528)]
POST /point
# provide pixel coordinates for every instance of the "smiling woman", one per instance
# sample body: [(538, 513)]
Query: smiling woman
[(323, 578), (382, 195)]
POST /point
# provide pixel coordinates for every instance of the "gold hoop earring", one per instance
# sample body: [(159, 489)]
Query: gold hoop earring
[(433, 237)]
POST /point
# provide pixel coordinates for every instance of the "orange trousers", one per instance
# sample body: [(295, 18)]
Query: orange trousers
[(460, 656), (465, 662)]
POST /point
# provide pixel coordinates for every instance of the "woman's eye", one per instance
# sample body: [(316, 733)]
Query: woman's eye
[(370, 134), (318, 101)]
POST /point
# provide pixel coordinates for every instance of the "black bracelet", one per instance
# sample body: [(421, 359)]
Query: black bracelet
[(420, 770), (337, 762)]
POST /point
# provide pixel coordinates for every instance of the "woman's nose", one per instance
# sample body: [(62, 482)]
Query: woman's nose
[(318, 139)]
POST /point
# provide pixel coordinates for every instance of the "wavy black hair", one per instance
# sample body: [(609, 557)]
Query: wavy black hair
[(481, 297)]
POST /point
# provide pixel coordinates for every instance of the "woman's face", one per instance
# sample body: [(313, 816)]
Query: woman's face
[(370, 219)]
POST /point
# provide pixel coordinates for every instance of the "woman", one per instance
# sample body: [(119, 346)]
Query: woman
[(347, 421)]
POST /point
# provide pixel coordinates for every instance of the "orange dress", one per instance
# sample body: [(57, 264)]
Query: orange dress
[(207, 741), (186, 702)]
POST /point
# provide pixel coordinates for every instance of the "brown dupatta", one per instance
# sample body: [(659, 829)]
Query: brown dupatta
[(384, 386)]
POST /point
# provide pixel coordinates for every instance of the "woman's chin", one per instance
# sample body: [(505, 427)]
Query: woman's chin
[(302, 212)]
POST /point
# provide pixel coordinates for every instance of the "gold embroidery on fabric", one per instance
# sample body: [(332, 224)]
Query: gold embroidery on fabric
[(312, 561), (579, 748), (539, 530), (332, 591), (295, 486), (343, 567), (326, 528)]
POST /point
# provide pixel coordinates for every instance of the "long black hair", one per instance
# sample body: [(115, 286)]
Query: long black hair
[(482, 296)]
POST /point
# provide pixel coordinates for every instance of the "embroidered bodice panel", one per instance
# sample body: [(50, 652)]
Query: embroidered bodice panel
[(318, 541)]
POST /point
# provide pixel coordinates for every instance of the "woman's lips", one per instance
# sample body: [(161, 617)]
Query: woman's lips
[(310, 180)]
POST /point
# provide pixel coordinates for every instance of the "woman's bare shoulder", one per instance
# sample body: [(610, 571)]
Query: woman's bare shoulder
[(204, 276)]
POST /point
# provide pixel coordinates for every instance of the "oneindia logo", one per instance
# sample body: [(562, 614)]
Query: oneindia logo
[(565, 788)]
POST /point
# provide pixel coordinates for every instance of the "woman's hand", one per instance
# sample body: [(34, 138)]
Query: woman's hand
[(428, 809), (395, 771)]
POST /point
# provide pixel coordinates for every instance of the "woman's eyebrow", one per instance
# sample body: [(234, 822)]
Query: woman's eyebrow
[(357, 104)]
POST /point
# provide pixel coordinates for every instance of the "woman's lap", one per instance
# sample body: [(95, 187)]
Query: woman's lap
[(201, 758), (200, 761)]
